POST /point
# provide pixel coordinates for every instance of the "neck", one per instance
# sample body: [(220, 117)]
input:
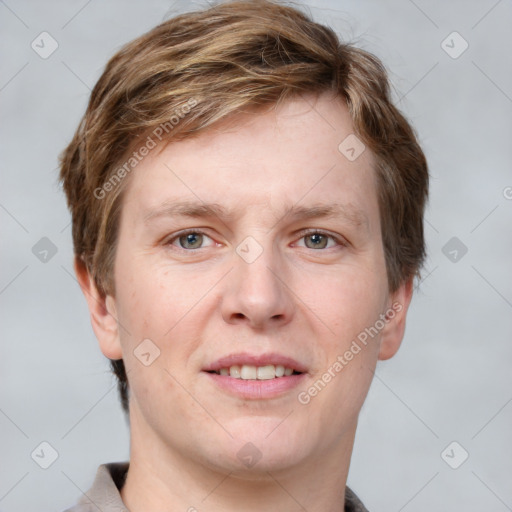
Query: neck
[(161, 478)]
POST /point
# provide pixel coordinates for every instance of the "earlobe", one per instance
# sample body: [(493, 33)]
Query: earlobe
[(393, 332), (102, 311)]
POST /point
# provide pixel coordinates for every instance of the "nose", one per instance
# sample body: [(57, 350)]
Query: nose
[(257, 293)]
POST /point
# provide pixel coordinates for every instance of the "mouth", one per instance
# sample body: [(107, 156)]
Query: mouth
[(256, 377), (251, 372)]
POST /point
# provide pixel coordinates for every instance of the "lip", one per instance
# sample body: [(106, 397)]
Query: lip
[(256, 389), (255, 360)]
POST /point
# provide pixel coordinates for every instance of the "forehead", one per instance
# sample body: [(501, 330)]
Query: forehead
[(267, 163)]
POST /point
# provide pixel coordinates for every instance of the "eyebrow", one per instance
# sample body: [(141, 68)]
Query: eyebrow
[(348, 213)]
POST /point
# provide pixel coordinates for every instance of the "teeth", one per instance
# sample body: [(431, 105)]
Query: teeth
[(266, 372), (234, 372), (250, 372)]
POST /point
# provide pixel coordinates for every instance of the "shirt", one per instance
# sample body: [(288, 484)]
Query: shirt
[(104, 494)]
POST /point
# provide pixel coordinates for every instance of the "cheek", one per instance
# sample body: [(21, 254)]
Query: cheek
[(349, 306), (164, 306), (346, 301), (152, 300)]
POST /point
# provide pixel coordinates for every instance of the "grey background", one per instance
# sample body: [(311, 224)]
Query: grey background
[(450, 381)]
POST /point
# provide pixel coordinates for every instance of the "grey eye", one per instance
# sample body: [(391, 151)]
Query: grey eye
[(191, 240), (318, 240)]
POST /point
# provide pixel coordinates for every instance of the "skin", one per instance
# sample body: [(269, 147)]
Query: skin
[(198, 304)]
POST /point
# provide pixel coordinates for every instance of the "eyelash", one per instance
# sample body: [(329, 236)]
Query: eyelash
[(304, 233)]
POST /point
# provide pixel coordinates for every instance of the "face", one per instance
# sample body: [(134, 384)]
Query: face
[(252, 249)]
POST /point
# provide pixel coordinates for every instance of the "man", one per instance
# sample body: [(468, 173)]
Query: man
[(247, 221)]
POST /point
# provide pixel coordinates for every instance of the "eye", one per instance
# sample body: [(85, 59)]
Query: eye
[(192, 239), (320, 240), (189, 240)]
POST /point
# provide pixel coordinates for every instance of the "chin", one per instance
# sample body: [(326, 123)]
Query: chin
[(250, 463), (260, 445)]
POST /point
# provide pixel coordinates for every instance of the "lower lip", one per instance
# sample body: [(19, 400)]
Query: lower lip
[(257, 389)]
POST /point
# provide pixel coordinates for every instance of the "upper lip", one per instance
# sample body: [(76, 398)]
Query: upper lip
[(255, 360)]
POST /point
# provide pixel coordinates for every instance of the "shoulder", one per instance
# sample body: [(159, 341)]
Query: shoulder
[(104, 493)]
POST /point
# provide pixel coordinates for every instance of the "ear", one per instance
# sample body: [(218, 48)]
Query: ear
[(393, 332), (103, 313)]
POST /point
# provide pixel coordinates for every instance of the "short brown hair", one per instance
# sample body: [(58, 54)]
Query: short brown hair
[(205, 66)]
